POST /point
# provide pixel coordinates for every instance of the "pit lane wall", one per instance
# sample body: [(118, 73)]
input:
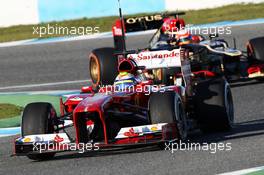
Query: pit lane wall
[(16, 12)]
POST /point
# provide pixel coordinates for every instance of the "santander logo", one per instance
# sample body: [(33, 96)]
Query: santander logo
[(155, 55)]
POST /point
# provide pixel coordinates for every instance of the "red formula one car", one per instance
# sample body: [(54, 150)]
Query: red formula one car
[(143, 113), (150, 96)]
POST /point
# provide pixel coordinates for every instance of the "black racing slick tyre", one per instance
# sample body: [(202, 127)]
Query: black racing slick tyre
[(167, 107), (103, 66), (38, 118), (255, 49), (214, 105)]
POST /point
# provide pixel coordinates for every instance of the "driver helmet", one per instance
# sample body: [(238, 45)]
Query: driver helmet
[(169, 26), (125, 80), (172, 25), (183, 37)]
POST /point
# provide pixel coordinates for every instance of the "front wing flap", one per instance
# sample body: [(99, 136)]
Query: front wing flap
[(127, 138)]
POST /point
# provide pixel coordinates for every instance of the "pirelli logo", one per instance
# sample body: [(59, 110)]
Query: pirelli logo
[(149, 18)]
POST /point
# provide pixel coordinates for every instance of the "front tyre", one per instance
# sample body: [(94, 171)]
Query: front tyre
[(38, 118), (167, 107)]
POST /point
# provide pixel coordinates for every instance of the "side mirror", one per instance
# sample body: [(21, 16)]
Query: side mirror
[(147, 82), (141, 67), (213, 35), (87, 89)]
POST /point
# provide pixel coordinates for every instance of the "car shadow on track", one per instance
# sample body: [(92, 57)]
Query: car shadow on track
[(246, 83), (240, 130), (104, 153)]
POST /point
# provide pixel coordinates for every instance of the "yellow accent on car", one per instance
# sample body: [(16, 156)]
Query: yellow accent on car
[(123, 73), (27, 140), (123, 81), (154, 128)]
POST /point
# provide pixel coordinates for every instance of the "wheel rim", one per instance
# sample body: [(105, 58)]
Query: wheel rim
[(181, 125), (158, 74), (50, 129), (229, 107), (94, 70), (180, 120)]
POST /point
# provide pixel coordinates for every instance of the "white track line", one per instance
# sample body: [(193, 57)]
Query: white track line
[(15, 43), (43, 84), (243, 172)]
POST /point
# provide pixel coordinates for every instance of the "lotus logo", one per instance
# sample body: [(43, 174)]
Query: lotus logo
[(144, 18)]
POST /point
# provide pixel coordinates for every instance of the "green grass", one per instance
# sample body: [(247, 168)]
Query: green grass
[(260, 172), (9, 110), (225, 13), (231, 12), (10, 113)]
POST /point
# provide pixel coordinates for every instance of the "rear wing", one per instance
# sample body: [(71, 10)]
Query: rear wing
[(139, 23), (142, 23), (147, 22)]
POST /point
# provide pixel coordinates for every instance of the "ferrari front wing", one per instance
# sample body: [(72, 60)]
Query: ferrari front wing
[(126, 138)]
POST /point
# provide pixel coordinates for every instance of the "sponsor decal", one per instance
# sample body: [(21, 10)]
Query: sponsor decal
[(155, 55), (44, 138), (27, 139), (19, 140), (154, 128), (76, 99), (139, 130), (38, 139), (149, 18), (145, 130), (131, 133), (117, 31), (58, 139), (157, 59)]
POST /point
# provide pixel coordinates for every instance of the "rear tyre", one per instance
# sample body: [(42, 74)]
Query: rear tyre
[(214, 105), (38, 118), (103, 67), (167, 108)]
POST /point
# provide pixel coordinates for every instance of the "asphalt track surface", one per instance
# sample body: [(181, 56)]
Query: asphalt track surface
[(67, 61)]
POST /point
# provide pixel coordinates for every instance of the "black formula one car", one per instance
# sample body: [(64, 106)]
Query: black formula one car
[(215, 55)]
